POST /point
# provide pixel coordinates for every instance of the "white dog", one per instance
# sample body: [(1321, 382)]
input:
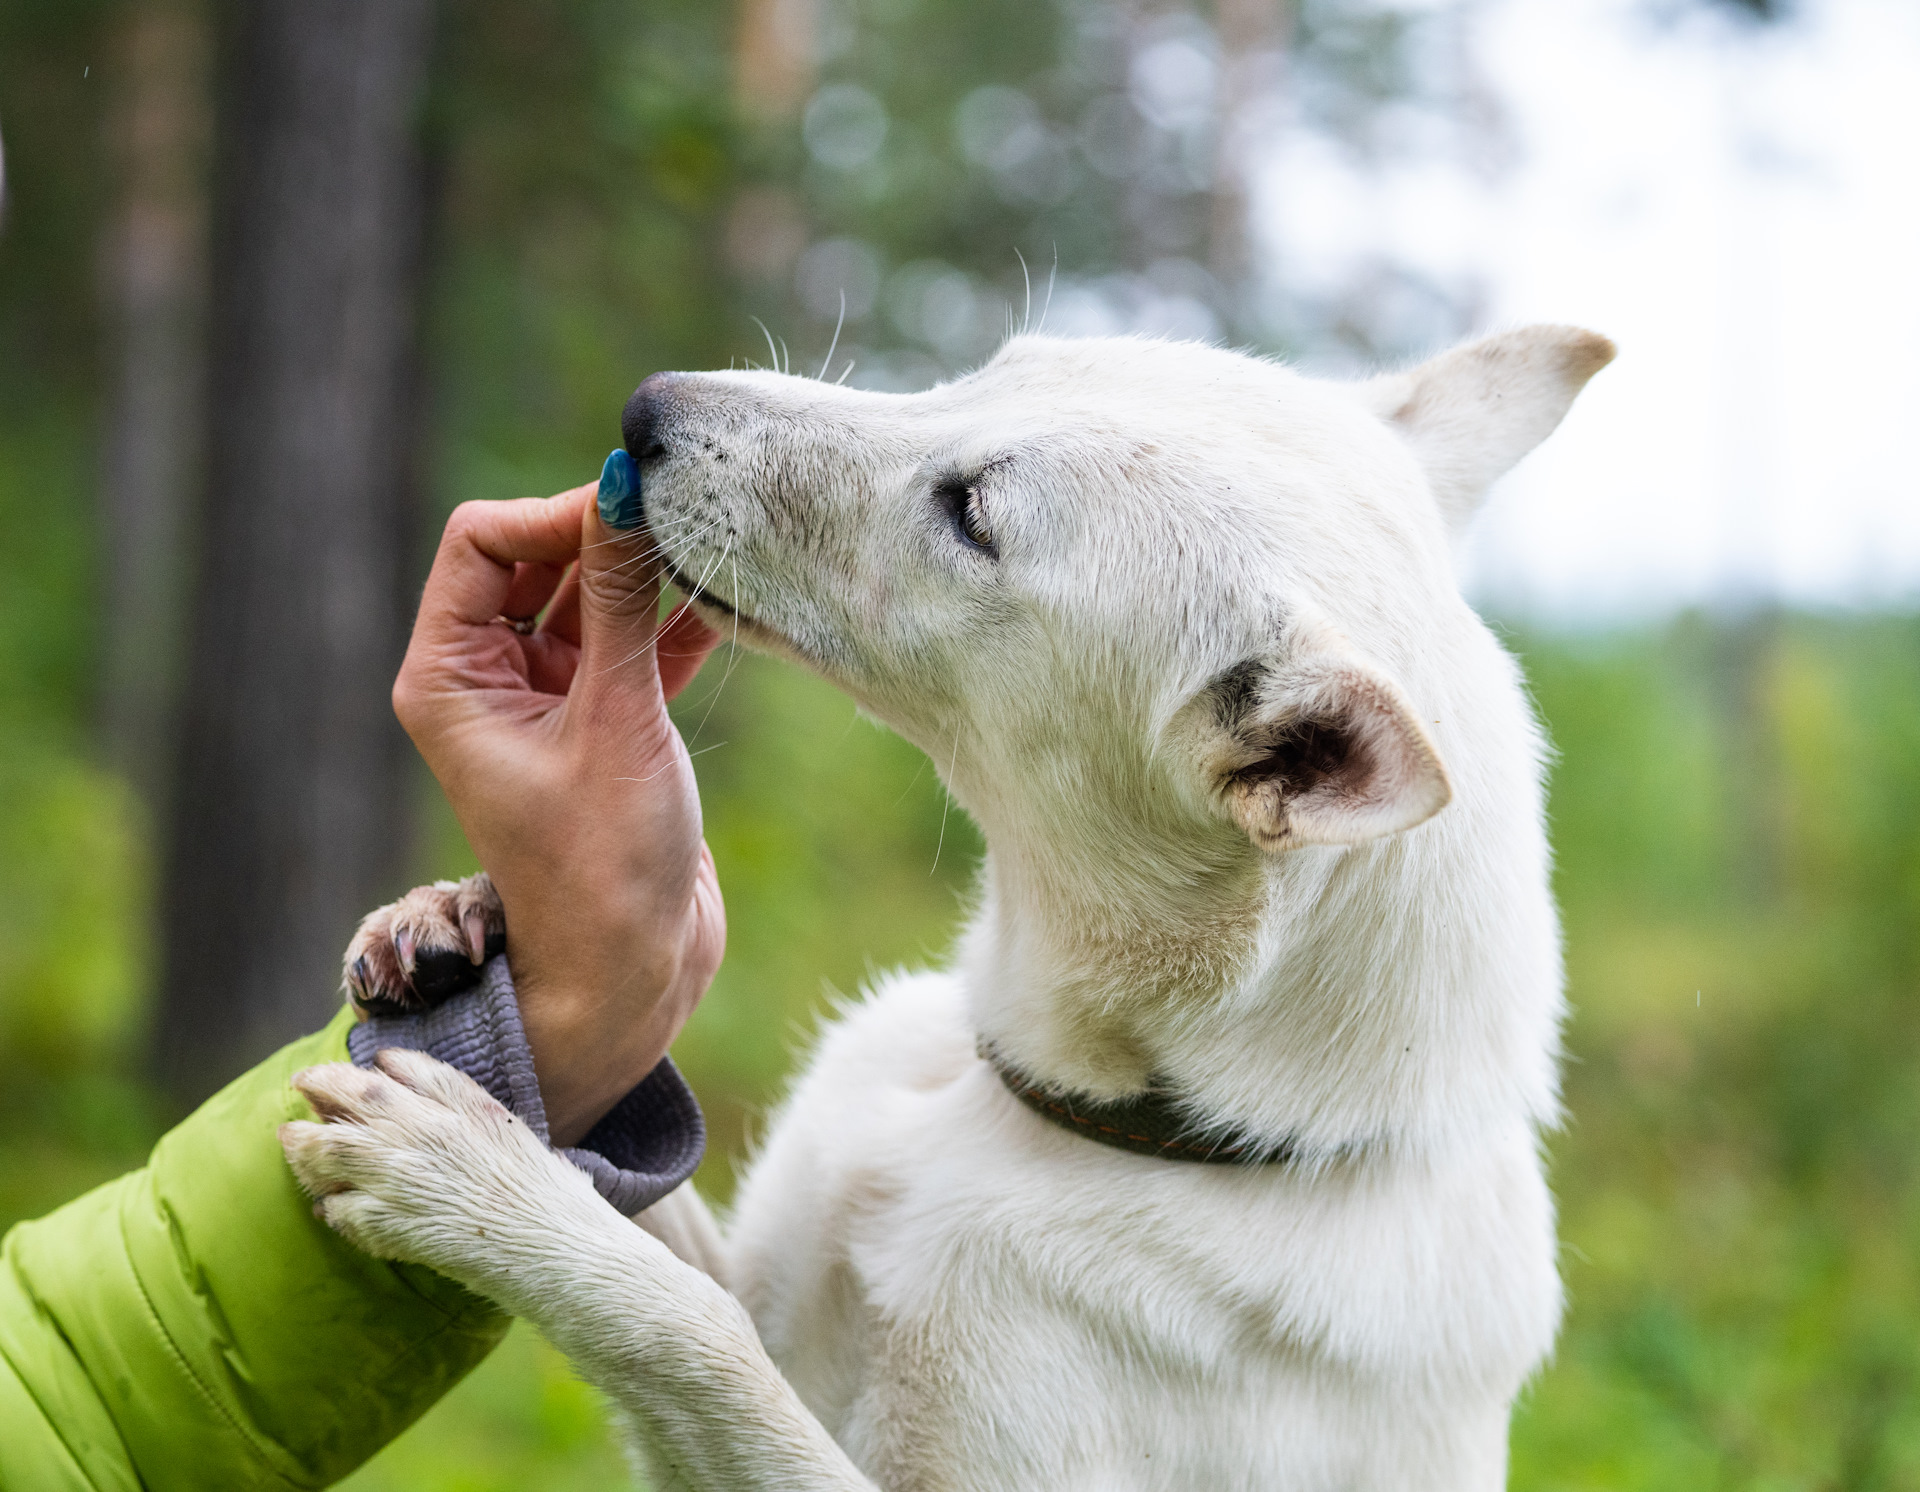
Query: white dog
[(1182, 630)]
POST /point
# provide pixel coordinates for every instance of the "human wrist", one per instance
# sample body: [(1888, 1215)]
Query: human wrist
[(645, 1144), (593, 1043), (607, 966)]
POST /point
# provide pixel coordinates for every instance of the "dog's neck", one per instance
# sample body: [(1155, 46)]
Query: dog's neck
[(1396, 994)]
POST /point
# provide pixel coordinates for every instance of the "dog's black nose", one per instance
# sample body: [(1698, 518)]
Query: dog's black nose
[(642, 421)]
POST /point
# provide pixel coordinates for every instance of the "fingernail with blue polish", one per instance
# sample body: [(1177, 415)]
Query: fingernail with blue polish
[(620, 492)]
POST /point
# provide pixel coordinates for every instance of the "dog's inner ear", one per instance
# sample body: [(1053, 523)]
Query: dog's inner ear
[(1471, 413), (1332, 755)]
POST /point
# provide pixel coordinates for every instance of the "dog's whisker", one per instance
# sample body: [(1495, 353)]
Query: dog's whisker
[(654, 637), (947, 806), (668, 765), (660, 546), (917, 771), (714, 568), (827, 361), (733, 657), (766, 332)]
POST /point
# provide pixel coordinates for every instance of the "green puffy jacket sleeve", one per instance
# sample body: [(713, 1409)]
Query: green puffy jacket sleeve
[(192, 1325)]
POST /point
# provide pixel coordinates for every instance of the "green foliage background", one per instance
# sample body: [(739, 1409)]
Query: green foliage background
[(1736, 806)]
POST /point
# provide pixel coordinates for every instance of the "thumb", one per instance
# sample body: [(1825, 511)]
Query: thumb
[(619, 580)]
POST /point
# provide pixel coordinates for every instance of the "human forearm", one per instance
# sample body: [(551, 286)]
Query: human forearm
[(193, 1325)]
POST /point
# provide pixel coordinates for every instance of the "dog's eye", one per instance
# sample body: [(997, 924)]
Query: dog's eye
[(973, 520), (968, 511)]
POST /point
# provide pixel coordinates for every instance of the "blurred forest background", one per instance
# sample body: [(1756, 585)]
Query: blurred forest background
[(282, 280)]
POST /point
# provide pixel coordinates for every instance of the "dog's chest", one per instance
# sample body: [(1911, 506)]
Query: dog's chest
[(1037, 1343), (952, 1283)]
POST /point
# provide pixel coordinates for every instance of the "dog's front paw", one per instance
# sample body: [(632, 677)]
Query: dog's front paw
[(424, 948), (414, 1160)]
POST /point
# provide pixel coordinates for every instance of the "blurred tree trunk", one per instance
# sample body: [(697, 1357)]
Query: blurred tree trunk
[(288, 813), (153, 268)]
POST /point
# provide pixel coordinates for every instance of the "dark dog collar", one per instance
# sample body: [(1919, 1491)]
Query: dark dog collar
[(1150, 1123)]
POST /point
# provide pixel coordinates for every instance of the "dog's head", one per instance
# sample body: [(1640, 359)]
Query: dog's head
[(1117, 585)]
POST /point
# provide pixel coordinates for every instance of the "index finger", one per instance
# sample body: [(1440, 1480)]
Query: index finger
[(473, 569)]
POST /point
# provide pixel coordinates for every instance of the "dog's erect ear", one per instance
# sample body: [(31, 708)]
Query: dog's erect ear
[(1324, 751), (1471, 413)]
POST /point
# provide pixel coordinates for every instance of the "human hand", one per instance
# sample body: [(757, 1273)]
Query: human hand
[(573, 786)]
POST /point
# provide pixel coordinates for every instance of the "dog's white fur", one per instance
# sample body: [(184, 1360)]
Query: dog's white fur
[(1192, 554)]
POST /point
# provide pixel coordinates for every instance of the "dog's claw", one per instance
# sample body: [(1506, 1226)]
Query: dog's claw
[(474, 925), (425, 947)]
